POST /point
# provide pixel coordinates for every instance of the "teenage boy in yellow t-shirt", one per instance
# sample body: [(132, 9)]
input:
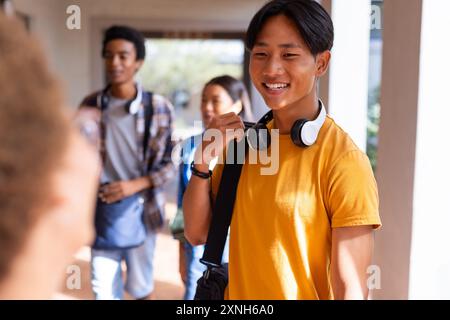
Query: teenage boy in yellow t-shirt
[(305, 232)]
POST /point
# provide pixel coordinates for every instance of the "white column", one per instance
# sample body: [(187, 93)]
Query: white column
[(412, 249), (348, 80), (324, 89), (430, 246), (397, 144)]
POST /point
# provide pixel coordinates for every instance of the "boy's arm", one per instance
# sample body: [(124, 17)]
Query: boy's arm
[(160, 173), (351, 255)]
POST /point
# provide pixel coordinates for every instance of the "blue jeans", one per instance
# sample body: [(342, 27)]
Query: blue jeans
[(194, 268), (106, 271)]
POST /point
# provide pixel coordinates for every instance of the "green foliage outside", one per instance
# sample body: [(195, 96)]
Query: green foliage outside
[(373, 116), (173, 66)]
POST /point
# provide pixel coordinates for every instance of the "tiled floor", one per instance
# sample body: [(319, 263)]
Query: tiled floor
[(168, 285)]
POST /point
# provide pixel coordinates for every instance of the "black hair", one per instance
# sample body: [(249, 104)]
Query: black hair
[(237, 91), (312, 20), (125, 33)]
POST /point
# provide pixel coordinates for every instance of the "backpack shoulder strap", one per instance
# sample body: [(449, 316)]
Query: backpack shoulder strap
[(92, 100), (223, 207), (148, 111)]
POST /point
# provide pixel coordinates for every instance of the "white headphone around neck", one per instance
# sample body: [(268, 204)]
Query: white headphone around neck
[(132, 106), (303, 133)]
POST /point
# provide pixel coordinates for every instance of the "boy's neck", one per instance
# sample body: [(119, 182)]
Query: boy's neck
[(126, 91), (308, 109)]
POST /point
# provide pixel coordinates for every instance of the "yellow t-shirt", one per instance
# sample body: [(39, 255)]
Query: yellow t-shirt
[(280, 233)]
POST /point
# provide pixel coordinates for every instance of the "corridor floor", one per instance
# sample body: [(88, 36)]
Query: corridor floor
[(168, 284)]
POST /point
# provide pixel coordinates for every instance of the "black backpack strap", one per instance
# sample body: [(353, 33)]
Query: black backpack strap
[(224, 205), (148, 111), (92, 100)]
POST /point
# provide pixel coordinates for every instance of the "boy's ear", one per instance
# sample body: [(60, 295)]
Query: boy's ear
[(139, 64), (322, 62)]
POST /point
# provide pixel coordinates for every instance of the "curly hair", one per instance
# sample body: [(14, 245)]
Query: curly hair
[(34, 130), (126, 33)]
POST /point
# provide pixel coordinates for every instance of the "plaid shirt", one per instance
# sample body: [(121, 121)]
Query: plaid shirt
[(157, 163)]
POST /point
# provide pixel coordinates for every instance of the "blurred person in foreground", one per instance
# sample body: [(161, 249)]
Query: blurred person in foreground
[(48, 173)]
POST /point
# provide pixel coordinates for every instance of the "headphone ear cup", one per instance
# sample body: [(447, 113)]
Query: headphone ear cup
[(296, 133), (258, 137), (132, 106)]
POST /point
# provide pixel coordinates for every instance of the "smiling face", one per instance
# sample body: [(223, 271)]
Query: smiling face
[(216, 101), (282, 67), (120, 61)]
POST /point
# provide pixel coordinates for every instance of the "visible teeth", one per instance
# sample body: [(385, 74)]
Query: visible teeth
[(276, 85)]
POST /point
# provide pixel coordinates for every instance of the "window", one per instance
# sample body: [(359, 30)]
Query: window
[(375, 64), (178, 68)]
